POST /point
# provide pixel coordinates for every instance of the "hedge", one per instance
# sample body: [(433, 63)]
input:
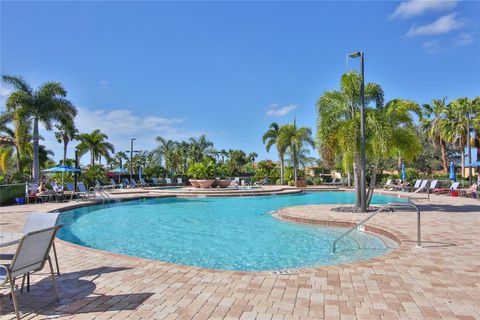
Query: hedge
[(8, 193)]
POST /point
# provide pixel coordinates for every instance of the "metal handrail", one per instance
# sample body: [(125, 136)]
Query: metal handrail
[(381, 209)]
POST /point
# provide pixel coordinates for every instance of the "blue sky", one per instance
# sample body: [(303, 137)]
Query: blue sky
[(228, 69)]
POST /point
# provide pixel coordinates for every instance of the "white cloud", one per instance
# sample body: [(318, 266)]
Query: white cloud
[(433, 46), (120, 125), (413, 8), (443, 24), (464, 39), (103, 82), (4, 92), (277, 111)]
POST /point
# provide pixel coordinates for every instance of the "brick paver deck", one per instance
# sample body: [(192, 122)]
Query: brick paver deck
[(439, 281)]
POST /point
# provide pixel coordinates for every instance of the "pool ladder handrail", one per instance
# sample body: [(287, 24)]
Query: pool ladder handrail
[(382, 209), (104, 195)]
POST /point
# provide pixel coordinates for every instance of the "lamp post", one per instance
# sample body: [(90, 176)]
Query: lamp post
[(363, 194), (131, 158), (76, 167)]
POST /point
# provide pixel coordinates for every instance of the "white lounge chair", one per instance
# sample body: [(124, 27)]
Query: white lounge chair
[(179, 181), (31, 256), (168, 181), (388, 184)]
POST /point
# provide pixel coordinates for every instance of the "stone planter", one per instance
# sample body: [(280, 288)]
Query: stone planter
[(205, 184), (301, 184), (215, 183), (194, 183), (223, 183)]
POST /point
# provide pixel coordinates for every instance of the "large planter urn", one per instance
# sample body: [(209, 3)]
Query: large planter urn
[(223, 183), (301, 183), (194, 183), (205, 184)]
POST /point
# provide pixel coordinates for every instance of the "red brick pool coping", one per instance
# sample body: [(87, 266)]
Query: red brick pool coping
[(440, 281)]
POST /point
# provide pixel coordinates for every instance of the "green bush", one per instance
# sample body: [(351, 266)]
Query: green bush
[(291, 183), (202, 170), (95, 172), (8, 193)]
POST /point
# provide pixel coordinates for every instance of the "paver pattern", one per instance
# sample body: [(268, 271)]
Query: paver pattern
[(439, 281)]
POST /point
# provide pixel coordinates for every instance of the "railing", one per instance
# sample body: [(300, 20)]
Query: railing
[(105, 196), (381, 209)]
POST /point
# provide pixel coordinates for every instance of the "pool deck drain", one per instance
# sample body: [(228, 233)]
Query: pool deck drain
[(439, 281)]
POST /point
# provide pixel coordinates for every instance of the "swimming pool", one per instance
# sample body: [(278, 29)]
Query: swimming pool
[(234, 233)]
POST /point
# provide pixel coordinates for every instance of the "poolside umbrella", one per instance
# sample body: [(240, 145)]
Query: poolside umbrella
[(473, 164), (119, 171), (404, 175), (62, 169), (140, 171), (452, 171)]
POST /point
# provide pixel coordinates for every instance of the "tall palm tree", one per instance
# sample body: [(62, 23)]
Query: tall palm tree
[(200, 147), (167, 150), (270, 138), (295, 139), (95, 144), (8, 149), (252, 156), (338, 125), (45, 105), (433, 124), (66, 133)]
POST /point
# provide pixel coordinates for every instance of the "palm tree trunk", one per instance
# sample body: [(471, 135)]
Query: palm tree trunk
[(371, 188), (36, 162), (65, 145), (462, 157), (443, 149), (92, 157), (17, 151), (349, 178), (282, 167), (356, 178), (295, 173)]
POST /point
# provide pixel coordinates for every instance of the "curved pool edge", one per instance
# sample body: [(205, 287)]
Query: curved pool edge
[(376, 230)]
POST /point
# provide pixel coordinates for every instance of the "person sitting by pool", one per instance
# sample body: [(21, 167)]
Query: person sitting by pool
[(472, 191), (42, 189)]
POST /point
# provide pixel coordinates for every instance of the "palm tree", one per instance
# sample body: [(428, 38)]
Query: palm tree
[(295, 139), (66, 133), (95, 144), (200, 147), (167, 151), (270, 138), (433, 124), (338, 124), (45, 105), (252, 156), (7, 149)]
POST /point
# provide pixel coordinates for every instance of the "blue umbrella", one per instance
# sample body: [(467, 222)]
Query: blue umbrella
[(62, 169), (473, 164), (452, 172), (119, 171), (404, 175)]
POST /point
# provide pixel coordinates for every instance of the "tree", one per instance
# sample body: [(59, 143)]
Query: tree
[(66, 133), (433, 123), (295, 139), (95, 144), (270, 138), (252, 156), (45, 105), (338, 126), (200, 147)]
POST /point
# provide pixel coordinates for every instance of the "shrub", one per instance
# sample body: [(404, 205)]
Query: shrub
[(95, 172), (202, 170), (8, 193), (291, 183)]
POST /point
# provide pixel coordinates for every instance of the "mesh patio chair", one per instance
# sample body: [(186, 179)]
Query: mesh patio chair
[(31, 255)]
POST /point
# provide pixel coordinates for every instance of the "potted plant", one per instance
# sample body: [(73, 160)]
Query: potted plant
[(203, 173), (221, 182)]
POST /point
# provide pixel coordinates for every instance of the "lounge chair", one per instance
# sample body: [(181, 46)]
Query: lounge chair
[(334, 182), (98, 185), (422, 187), (180, 181), (471, 192), (113, 183), (416, 185), (450, 190), (155, 182), (433, 185), (133, 183), (388, 184), (126, 183), (168, 181), (71, 191), (31, 256), (83, 191), (143, 183)]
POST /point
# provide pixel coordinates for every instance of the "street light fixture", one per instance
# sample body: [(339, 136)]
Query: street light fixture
[(363, 193)]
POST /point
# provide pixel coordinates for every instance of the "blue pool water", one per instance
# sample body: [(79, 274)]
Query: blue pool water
[(234, 233)]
